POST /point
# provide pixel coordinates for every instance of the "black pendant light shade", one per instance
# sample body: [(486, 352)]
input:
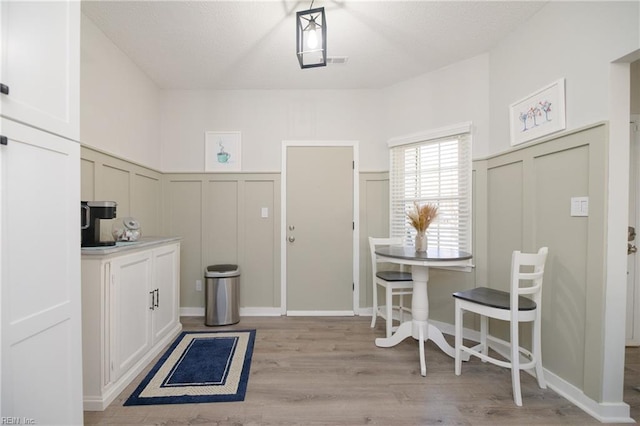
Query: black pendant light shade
[(311, 38)]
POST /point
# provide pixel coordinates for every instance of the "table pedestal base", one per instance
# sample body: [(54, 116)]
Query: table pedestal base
[(421, 331)]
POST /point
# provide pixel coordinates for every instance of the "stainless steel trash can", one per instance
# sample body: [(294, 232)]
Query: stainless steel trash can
[(222, 295)]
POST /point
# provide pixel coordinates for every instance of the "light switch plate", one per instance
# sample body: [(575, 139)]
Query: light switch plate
[(579, 206), (265, 212)]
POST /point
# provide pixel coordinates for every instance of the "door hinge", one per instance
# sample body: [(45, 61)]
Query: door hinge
[(353, 165), (353, 226), (353, 286)]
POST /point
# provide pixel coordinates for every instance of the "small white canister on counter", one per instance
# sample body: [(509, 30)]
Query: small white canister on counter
[(127, 229)]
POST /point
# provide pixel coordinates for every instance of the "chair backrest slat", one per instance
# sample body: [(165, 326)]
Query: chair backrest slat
[(374, 242), (534, 277)]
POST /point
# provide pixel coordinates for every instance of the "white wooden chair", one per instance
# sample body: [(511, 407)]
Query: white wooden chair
[(512, 306), (395, 283)]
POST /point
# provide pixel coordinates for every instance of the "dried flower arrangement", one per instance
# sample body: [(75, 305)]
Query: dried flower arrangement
[(422, 216)]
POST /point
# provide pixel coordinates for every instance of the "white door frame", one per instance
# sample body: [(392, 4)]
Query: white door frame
[(283, 217)]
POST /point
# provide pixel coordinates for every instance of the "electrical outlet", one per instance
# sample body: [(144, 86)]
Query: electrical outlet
[(198, 285)]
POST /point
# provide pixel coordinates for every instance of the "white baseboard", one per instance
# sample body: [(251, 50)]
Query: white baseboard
[(191, 312), (320, 313), (364, 312), (111, 392), (603, 412), (186, 311), (260, 312), (244, 312)]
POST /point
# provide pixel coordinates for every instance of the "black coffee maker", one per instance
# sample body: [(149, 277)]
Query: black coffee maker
[(91, 212)]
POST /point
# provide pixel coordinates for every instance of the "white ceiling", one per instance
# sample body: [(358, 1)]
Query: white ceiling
[(241, 44)]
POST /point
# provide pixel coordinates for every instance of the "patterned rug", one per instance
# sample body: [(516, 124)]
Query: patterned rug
[(199, 367)]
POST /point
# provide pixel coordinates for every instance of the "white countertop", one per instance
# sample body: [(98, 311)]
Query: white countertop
[(124, 246)]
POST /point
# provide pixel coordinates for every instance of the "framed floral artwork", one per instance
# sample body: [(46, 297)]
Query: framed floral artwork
[(539, 114), (222, 152)]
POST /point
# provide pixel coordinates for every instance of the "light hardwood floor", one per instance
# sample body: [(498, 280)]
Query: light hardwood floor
[(328, 371)]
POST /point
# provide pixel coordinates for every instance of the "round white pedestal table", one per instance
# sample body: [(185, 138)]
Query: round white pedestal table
[(419, 327)]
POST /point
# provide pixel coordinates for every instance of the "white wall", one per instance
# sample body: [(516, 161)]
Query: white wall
[(266, 118), (120, 104), (121, 107), (451, 95), (574, 40)]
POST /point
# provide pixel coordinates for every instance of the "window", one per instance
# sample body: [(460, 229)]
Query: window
[(433, 168)]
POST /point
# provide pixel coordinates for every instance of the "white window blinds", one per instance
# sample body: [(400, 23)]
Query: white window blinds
[(436, 171)]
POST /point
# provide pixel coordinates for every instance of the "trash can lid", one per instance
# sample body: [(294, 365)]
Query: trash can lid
[(223, 270)]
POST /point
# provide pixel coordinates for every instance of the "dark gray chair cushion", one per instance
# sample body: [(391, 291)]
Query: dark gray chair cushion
[(494, 298), (394, 276)]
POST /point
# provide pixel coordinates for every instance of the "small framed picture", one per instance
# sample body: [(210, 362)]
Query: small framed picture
[(539, 114), (222, 152)]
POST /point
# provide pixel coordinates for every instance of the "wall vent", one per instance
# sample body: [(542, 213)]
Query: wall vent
[(337, 59)]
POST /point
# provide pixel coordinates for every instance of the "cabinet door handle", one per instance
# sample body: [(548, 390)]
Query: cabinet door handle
[(86, 220), (4, 140), (4, 89), (153, 296), (157, 292)]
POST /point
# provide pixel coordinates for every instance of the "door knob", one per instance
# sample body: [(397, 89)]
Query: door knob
[(631, 249), (292, 239)]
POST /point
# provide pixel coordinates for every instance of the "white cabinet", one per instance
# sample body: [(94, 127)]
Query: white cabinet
[(131, 284), (40, 310), (40, 64), (40, 276), (166, 295), (130, 306)]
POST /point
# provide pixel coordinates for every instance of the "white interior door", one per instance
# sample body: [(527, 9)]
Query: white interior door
[(633, 277), (319, 229)]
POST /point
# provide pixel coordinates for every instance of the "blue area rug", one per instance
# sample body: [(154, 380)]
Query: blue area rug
[(199, 367)]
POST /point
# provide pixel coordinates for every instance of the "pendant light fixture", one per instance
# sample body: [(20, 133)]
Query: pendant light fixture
[(311, 37)]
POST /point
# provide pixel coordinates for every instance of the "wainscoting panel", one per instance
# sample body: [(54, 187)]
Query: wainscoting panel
[(183, 217), (374, 222), (221, 222), (564, 297), (146, 202), (87, 180), (114, 185), (504, 220), (220, 219), (529, 194), (259, 242), (136, 189)]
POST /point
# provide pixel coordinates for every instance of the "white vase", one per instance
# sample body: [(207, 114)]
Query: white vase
[(421, 242)]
